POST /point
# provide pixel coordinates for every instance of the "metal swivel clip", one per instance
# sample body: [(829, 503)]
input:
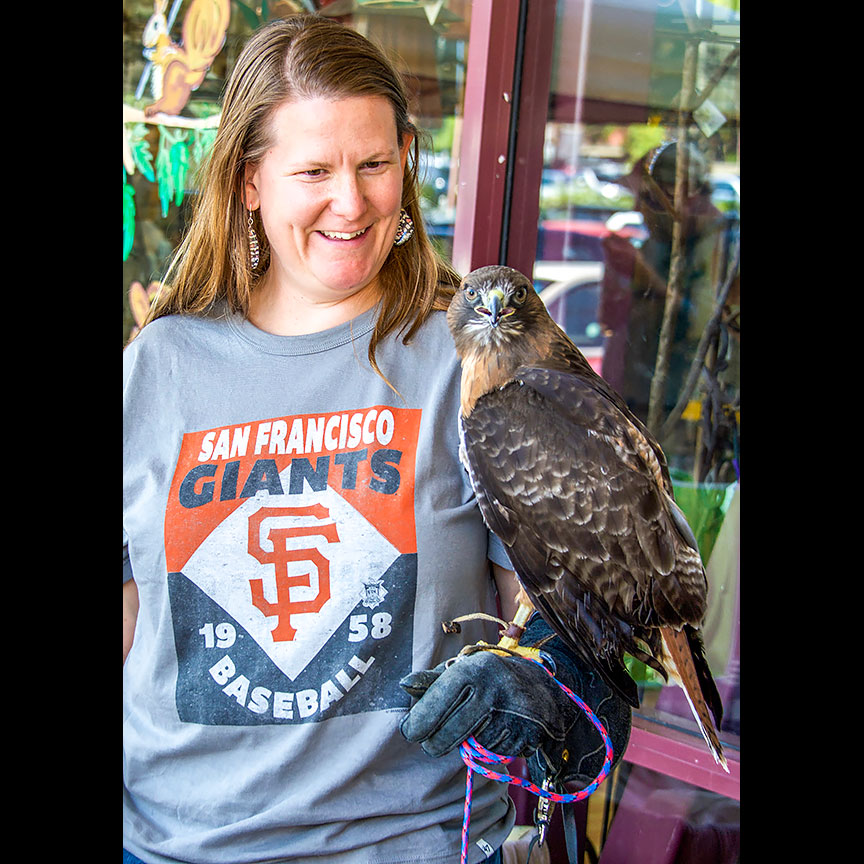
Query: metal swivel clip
[(543, 813)]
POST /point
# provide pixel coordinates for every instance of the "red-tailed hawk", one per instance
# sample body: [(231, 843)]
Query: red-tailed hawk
[(579, 492)]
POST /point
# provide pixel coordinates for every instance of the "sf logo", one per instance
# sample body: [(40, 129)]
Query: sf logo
[(280, 555)]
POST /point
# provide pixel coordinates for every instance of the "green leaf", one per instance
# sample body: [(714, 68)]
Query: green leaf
[(171, 165), (140, 147), (164, 175), (128, 217), (179, 168)]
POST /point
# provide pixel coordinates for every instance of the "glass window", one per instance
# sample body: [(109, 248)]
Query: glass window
[(168, 129), (637, 259)]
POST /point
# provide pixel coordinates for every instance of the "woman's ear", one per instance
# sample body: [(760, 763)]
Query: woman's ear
[(250, 188)]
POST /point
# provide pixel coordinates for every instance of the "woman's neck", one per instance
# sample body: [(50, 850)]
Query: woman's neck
[(286, 313)]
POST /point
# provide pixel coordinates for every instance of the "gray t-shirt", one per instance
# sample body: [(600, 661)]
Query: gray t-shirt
[(297, 532)]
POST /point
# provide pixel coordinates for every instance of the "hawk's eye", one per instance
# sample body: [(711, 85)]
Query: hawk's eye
[(519, 295), (471, 293)]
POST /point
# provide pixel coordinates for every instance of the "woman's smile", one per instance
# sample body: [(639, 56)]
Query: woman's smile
[(343, 236)]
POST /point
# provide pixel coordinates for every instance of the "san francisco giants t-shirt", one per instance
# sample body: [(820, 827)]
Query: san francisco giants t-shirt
[(297, 531)]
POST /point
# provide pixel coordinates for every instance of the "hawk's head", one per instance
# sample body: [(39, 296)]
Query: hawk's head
[(494, 307)]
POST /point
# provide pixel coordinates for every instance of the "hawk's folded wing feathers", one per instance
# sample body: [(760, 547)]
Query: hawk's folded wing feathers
[(583, 499)]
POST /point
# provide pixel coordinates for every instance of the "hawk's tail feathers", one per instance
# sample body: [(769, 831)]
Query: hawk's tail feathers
[(684, 672)]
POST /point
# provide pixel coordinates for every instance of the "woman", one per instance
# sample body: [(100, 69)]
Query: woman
[(296, 521)]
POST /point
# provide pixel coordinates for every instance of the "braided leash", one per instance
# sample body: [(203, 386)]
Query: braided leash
[(475, 754)]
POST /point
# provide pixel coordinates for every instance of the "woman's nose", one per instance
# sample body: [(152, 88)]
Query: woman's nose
[(348, 199)]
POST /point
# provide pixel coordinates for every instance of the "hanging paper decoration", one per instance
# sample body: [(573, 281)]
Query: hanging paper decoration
[(128, 216), (181, 151), (172, 165), (140, 149)]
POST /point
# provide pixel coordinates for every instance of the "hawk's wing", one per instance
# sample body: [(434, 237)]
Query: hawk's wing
[(569, 484)]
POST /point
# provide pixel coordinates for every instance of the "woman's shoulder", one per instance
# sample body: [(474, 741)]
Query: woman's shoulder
[(168, 330), (434, 336), (173, 341), (437, 322)]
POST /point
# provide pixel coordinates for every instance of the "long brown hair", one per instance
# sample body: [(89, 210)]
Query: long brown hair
[(300, 57)]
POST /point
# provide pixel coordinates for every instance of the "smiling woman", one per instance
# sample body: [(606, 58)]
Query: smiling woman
[(329, 192)]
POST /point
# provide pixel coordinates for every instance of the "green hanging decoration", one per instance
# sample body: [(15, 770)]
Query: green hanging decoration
[(140, 147), (179, 168), (128, 216), (180, 153), (172, 166), (164, 179)]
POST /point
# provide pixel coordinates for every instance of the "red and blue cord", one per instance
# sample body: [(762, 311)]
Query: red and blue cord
[(474, 755)]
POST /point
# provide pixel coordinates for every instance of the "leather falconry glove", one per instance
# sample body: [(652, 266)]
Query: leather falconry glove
[(513, 708)]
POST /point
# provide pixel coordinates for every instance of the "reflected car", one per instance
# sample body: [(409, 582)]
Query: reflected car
[(571, 292), (581, 239)]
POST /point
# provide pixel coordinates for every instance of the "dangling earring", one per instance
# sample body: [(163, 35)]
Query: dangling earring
[(253, 242), (405, 229)]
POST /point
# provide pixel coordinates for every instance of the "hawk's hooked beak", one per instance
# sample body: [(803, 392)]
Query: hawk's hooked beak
[(495, 307)]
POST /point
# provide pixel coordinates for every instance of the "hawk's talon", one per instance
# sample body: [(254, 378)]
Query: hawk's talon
[(455, 625), (508, 645), (502, 650)]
